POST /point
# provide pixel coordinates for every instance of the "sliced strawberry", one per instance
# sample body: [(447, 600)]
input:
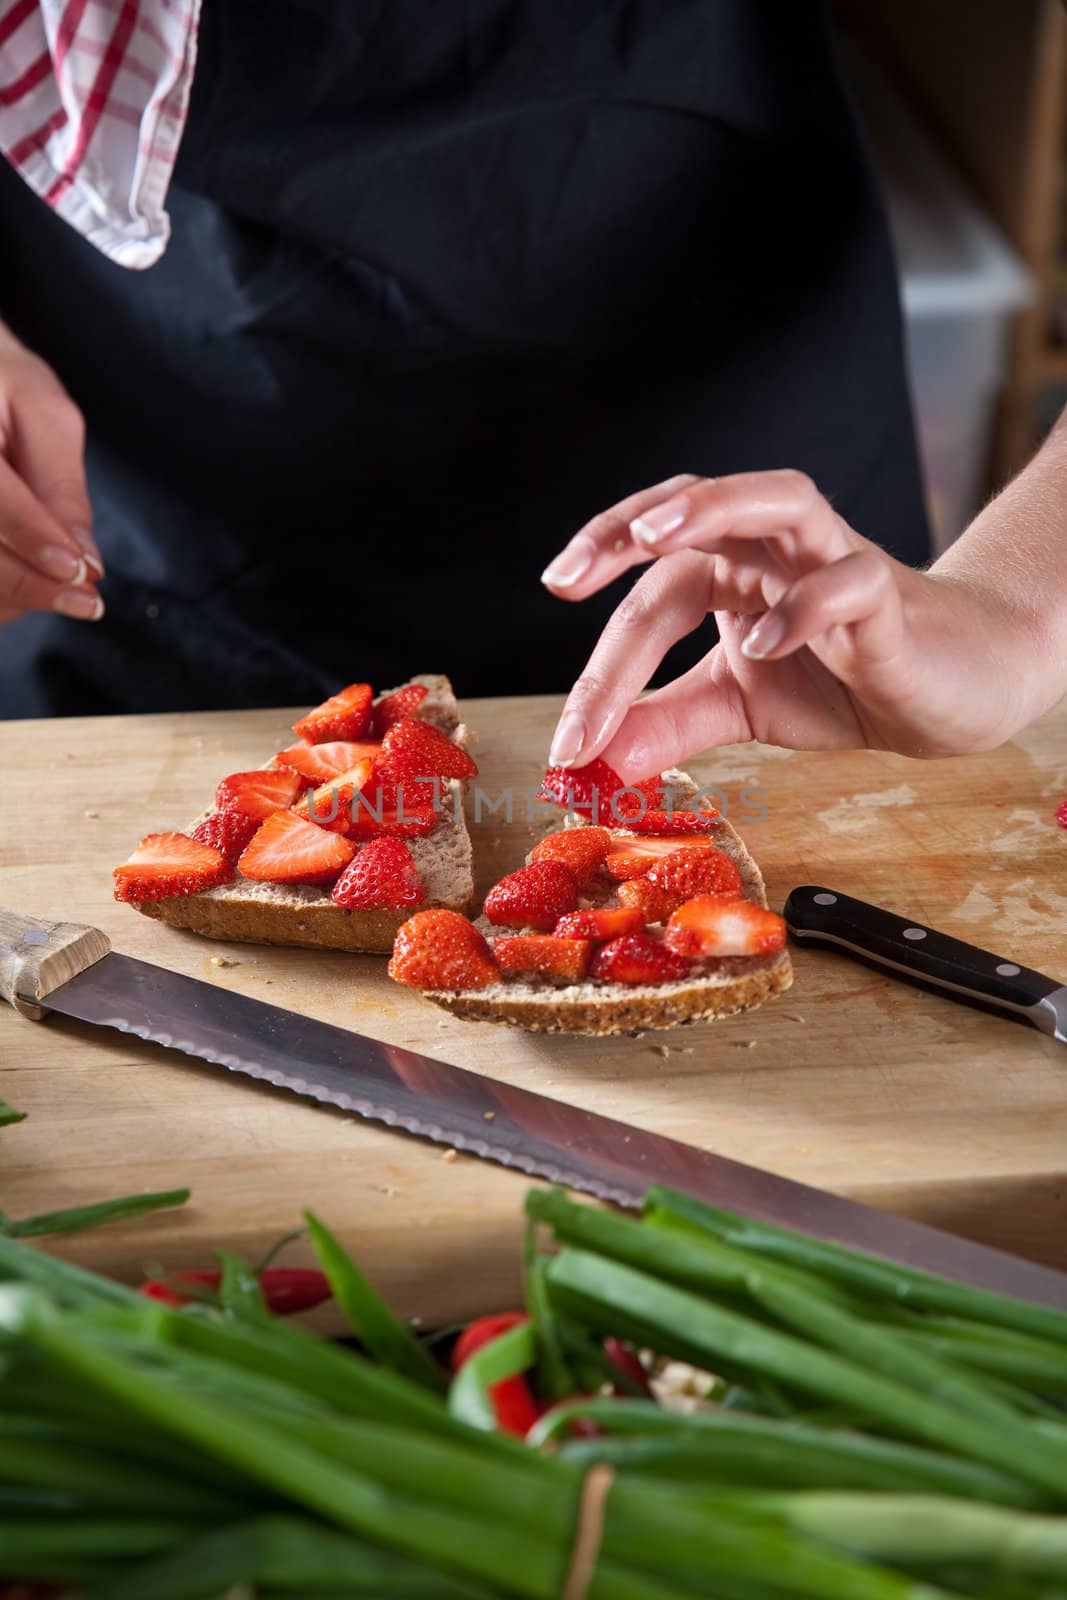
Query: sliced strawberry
[(581, 849), (607, 924), (543, 953), (685, 873), (640, 895), (317, 763), (383, 876), (333, 805), (343, 716), (711, 926), (417, 750), (596, 791), (391, 708), (286, 849), (259, 793), (1061, 815), (441, 950), (665, 823), (168, 864), (631, 857), (534, 897), (226, 831), (638, 958), (374, 821)]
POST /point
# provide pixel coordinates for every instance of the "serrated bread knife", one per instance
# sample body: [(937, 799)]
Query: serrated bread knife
[(60, 968)]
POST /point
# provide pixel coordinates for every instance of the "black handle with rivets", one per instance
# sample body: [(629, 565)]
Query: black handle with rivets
[(824, 916)]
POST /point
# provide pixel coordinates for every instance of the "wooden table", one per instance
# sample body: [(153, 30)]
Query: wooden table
[(850, 1081)]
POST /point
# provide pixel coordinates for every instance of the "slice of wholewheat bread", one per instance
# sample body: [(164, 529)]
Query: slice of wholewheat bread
[(272, 913), (716, 987)]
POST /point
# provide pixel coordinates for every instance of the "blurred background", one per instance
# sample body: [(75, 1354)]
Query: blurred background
[(964, 104)]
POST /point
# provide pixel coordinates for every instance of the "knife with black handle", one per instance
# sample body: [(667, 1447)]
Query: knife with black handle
[(909, 950)]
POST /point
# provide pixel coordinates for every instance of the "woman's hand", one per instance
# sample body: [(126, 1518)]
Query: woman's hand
[(48, 559), (826, 642)]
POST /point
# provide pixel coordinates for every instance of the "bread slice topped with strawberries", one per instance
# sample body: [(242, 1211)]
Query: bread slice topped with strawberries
[(336, 840), (639, 913)]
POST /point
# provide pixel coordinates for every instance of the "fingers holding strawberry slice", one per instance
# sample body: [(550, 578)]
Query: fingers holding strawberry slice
[(168, 864), (346, 715), (597, 792), (711, 926)]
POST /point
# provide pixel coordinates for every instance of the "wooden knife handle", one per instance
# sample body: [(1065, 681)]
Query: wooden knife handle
[(37, 956)]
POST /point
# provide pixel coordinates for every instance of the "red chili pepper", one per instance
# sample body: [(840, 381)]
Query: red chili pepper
[(514, 1406), (285, 1289)]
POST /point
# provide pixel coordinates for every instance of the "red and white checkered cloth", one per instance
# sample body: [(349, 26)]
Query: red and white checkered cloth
[(93, 99)]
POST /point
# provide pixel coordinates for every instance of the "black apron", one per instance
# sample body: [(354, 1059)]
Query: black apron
[(444, 281)]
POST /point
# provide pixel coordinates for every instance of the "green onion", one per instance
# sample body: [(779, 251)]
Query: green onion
[(78, 1217), (8, 1115), (384, 1335)]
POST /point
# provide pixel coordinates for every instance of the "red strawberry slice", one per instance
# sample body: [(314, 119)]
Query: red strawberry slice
[(259, 793), (343, 716), (286, 849), (610, 923), (383, 876), (711, 926), (441, 950), (685, 873), (664, 823), (413, 750), (640, 895), (334, 804), (596, 791), (534, 897), (581, 849), (226, 831), (393, 707), (376, 821), (545, 954), (317, 763), (631, 857), (168, 864), (1061, 815), (638, 958)]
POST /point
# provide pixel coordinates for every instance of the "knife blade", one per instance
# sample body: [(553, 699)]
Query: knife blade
[(58, 968), (815, 915)]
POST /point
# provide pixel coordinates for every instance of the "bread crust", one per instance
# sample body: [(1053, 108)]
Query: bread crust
[(721, 988), (248, 912)]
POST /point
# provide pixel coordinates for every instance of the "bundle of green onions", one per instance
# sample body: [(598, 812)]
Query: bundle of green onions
[(874, 1433)]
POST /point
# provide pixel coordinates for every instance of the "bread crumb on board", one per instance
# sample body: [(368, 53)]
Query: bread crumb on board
[(223, 961), (663, 1050), (744, 1044), (450, 1155)]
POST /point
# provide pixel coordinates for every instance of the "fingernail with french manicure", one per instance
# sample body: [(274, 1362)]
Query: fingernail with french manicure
[(660, 522), (60, 564), (567, 741), (89, 550), (572, 564), (766, 636), (79, 603)]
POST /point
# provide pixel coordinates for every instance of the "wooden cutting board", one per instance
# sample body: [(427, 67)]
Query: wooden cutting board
[(850, 1081)]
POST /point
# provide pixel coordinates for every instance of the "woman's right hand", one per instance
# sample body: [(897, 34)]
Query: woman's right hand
[(48, 558)]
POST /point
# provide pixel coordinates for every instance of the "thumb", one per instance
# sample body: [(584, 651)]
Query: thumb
[(47, 451), (700, 710)]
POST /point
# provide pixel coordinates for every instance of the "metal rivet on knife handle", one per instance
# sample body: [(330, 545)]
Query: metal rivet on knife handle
[(37, 957)]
